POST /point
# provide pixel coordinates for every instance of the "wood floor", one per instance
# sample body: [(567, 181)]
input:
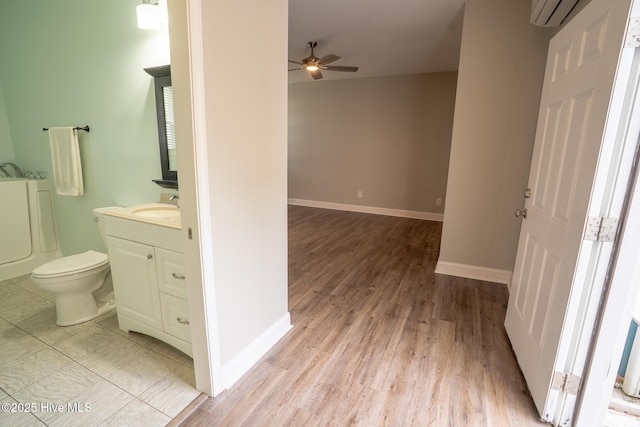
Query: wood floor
[(378, 338)]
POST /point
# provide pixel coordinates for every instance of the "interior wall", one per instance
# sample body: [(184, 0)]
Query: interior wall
[(6, 143), (500, 78), (76, 63), (244, 172), (388, 137)]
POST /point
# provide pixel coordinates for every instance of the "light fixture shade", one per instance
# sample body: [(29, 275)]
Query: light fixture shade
[(148, 16), (164, 14)]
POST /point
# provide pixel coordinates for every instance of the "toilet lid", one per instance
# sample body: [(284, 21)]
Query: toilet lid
[(72, 264)]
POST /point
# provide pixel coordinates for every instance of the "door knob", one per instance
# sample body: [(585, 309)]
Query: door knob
[(521, 213)]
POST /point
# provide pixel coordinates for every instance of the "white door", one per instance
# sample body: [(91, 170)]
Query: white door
[(579, 77)]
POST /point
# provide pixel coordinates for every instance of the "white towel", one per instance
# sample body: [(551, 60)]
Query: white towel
[(65, 156)]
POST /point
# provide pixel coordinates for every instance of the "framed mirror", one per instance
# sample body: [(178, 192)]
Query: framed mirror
[(166, 125)]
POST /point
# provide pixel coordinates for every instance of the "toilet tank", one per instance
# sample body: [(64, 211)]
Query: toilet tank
[(98, 216)]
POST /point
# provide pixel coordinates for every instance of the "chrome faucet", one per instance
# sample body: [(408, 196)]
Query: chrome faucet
[(16, 170), (175, 198)]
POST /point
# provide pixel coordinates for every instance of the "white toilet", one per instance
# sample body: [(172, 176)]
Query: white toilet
[(81, 283)]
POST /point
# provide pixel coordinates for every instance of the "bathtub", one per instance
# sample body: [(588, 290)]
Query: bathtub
[(28, 236)]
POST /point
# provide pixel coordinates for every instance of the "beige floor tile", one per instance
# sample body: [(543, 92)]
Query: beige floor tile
[(91, 407), (14, 417), (11, 294), (19, 304), (61, 387), (110, 321), (39, 362), (89, 339), (25, 283), (31, 368), (170, 352), (113, 356), (5, 324), (42, 325), (26, 309), (80, 397), (16, 344), (139, 414), (143, 372), (173, 393)]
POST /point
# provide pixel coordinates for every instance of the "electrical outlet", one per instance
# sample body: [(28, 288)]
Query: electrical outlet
[(359, 194), (438, 201)]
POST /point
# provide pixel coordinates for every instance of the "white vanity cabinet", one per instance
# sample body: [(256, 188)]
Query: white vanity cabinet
[(149, 284)]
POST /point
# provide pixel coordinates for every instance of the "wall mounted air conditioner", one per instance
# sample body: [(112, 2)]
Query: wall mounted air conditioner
[(550, 13)]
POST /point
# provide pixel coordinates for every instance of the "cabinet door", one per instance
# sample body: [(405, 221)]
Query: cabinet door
[(135, 281)]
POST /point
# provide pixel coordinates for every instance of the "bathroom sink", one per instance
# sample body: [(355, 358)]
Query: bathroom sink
[(153, 213), (157, 212)]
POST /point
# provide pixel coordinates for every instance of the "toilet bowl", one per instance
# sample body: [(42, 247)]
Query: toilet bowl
[(81, 283)]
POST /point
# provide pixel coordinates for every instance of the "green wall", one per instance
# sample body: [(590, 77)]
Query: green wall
[(6, 144), (76, 63)]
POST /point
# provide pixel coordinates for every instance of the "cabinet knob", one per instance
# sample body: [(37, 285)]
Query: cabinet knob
[(149, 256), (178, 276), (182, 321)]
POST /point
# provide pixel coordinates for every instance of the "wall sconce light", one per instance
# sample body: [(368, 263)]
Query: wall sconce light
[(152, 16)]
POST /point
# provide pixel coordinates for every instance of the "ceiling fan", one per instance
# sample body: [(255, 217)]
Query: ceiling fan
[(313, 64)]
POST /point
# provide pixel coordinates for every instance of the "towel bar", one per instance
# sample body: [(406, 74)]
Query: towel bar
[(76, 128)]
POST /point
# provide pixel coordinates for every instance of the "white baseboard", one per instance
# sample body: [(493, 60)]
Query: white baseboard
[(239, 365), (474, 272), (428, 216)]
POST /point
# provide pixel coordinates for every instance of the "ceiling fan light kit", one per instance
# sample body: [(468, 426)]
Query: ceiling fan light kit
[(313, 64)]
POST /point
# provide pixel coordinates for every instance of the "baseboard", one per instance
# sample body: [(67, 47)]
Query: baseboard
[(428, 216), (474, 272), (239, 365)]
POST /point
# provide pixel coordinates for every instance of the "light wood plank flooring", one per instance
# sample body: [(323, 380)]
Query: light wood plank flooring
[(378, 338)]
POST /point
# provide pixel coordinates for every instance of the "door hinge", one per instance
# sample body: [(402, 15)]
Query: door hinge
[(567, 383), (632, 39), (601, 229)]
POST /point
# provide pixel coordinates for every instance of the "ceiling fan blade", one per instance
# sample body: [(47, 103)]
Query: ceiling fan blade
[(295, 62), (340, 68), (317, 75), (295, 69), (328, 59)]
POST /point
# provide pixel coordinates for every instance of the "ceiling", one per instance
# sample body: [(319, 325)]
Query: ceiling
[(382, 37)]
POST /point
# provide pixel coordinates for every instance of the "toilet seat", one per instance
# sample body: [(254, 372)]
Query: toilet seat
[(69, 265)]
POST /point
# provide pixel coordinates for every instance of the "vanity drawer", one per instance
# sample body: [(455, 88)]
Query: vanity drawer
[(175, 317), (171, 279)]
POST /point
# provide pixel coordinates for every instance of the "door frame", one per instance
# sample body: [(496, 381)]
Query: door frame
[(619, 296), (187, 57)]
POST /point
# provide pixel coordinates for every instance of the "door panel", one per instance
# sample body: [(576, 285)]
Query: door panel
[(579, 77)]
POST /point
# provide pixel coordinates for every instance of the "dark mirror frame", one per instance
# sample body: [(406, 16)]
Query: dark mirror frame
[(161, 78)]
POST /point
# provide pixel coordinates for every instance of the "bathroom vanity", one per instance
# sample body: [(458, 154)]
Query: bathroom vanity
[(147, 266)]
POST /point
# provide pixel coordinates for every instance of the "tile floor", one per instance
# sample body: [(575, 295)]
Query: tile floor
[(84, 375)]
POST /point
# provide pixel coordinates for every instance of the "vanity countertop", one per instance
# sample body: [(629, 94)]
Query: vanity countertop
[(163, 214)]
